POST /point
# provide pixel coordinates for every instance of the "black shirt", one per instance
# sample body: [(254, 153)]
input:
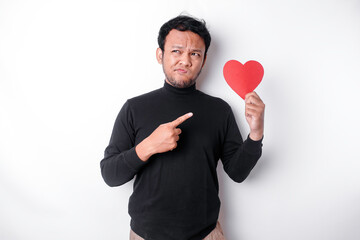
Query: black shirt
[(175, 193)]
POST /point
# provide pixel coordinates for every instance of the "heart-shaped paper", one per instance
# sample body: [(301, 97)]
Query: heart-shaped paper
[(243, 78)]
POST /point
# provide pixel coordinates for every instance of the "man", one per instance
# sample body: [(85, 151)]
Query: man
[(172, 138)]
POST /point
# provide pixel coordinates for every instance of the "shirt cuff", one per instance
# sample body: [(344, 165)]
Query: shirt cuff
[(133, 160), (252, 146)]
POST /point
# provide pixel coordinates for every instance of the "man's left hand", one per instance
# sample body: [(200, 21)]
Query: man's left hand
[(254, 113)]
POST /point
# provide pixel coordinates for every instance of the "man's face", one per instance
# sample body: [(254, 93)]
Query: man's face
[(183, 58)]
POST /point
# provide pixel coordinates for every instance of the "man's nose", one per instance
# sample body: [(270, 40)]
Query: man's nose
[(185, 60)]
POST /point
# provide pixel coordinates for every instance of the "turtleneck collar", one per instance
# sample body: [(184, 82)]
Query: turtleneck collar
[(175, 90)]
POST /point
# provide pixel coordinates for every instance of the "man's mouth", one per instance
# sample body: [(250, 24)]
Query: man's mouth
[(182, 71)]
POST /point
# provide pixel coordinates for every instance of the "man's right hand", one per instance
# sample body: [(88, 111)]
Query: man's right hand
[(163, 139)]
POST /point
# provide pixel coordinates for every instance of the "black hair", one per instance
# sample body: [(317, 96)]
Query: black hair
[(184, 23)]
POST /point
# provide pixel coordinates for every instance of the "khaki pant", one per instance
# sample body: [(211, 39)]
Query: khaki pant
[(216, 234)]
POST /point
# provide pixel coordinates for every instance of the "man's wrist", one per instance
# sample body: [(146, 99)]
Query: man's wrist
[(256, 136), (144, 150)]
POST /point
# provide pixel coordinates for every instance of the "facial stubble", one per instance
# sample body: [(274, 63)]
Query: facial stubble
[(181, 84)]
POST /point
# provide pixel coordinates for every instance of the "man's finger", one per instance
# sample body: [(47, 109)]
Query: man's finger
[(177, 131), (181, 119), (251, 94), (253, 98)]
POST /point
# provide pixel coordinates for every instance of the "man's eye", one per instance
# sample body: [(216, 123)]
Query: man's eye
[(195, 54), (175, 51)]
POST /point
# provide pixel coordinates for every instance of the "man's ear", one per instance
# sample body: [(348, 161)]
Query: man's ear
[(159, 55)]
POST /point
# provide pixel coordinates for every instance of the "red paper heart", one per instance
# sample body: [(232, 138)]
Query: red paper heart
[(243, 78)]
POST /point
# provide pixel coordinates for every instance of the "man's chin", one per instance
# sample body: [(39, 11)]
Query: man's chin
[(186, 84), (181, 83)]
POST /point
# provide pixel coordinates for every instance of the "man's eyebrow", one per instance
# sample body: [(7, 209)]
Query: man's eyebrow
[(193, 50)]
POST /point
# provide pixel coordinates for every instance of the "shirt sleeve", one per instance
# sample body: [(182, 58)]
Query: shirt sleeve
[(121, 163), (239, 157)]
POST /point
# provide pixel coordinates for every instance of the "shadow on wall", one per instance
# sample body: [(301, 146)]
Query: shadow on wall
[(226, 212), (210, 64)]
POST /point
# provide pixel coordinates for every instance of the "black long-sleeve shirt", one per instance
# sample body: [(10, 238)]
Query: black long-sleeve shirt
[(175, 193)]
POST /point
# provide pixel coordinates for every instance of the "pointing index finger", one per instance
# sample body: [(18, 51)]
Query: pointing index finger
[(181, 119)]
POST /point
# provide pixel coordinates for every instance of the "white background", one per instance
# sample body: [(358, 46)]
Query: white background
[(67, 67)]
